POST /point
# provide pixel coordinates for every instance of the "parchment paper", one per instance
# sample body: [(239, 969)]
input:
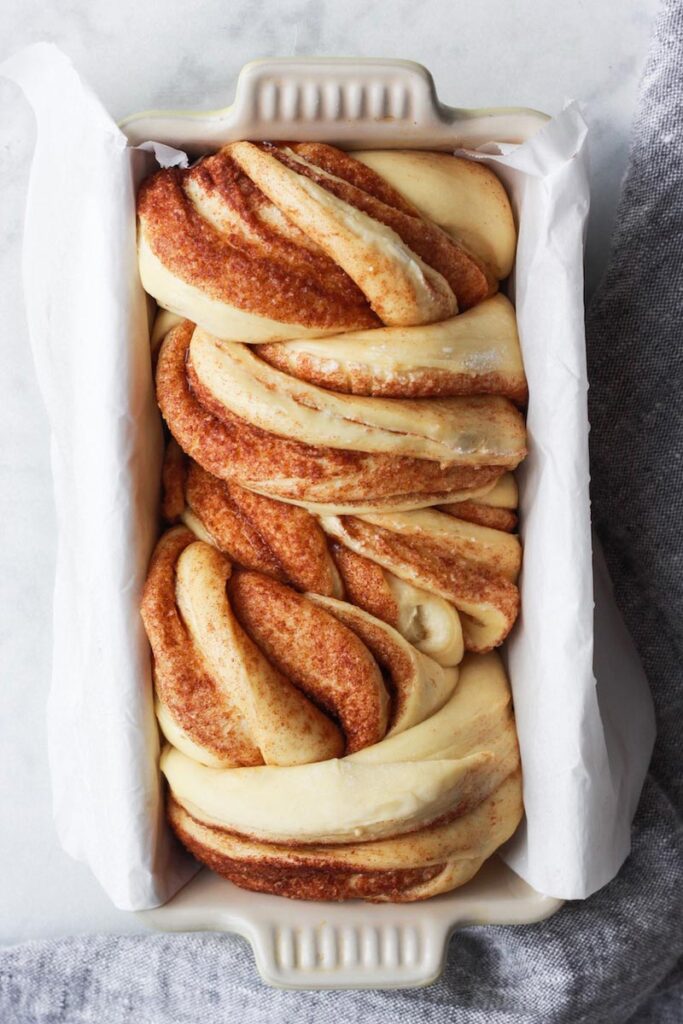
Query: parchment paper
[(584, 753)]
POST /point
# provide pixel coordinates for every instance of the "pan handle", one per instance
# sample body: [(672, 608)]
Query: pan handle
[(351, 102)]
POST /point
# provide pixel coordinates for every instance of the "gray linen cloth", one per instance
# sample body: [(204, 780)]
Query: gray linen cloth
[(613, 958)]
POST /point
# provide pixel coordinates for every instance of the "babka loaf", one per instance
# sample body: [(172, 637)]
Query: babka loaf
[(343, 386)]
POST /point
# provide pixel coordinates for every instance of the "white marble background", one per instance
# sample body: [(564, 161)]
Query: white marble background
[(139, 54)]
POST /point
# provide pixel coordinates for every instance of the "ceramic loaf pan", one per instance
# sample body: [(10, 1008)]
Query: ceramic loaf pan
[(376, 104)]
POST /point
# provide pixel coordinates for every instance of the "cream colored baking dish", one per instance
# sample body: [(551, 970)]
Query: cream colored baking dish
[(351, 103)]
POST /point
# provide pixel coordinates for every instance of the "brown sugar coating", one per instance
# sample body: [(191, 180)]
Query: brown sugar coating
[(392, 658), (365, 584), (422, 383), (174, 472), (323, 657), (482, 515)]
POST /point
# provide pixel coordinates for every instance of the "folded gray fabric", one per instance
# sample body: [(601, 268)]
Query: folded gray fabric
[(615, 957)]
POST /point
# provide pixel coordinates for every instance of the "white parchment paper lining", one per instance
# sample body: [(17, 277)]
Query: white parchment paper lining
[(584, 753)]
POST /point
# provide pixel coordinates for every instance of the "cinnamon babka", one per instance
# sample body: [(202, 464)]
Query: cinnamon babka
[(343, 385)]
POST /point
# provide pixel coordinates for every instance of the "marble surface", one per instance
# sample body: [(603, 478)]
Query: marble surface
[(137, 56)]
